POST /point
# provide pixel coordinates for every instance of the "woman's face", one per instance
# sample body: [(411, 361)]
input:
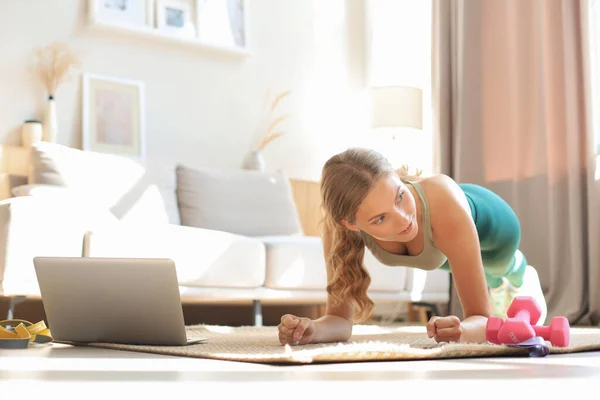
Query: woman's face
[(388, 212)]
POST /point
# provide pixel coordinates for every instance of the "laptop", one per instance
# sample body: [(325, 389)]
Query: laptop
[(112, 300)]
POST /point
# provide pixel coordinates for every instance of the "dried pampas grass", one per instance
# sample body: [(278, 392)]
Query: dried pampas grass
[(55, 63), (270, 106)]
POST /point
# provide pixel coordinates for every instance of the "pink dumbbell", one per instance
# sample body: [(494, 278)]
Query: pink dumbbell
[(523, 314)]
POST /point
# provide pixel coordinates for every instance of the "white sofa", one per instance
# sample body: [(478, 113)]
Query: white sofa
[(68, 208)]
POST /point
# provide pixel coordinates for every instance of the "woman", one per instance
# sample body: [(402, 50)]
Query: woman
[(415, 222)]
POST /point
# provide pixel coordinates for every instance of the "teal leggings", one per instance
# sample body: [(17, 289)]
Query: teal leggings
[(499, 234)]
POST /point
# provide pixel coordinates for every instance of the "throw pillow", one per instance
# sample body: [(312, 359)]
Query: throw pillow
[(250, 203), (117, 183), (8, 182)]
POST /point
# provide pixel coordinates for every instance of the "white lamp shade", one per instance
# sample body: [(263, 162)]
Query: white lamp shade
[(397, 106)]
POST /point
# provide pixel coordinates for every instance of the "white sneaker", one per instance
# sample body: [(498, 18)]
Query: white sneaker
[(499, 299), (531, 287)]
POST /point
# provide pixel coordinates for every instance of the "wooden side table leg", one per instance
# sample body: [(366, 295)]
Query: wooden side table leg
[(411, 312), (423, 316)]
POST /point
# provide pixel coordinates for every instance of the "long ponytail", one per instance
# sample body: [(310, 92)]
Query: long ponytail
[(351, 279)]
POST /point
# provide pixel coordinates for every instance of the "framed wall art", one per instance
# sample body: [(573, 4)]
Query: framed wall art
[(213, 25), (126, 12), (113, 115), (176, 17)]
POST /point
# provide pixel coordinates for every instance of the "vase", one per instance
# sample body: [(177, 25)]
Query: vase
[(31, 133), (254, 161), (50, 122)]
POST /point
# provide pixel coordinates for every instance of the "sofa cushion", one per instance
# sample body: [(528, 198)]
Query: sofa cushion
[(115, 182), (203, 258), (244, 202), (295, 262), (432, 285), (299, 263)]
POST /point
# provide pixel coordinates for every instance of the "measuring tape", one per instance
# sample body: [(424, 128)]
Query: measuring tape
[(18, 333)]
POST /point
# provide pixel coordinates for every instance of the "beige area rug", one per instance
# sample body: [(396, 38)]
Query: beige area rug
[(368, 343)]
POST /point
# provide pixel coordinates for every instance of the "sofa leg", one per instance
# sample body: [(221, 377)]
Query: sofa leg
[(257, 309), (12, 302)]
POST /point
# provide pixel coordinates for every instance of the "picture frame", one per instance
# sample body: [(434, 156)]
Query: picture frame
[(223, 22), (214, 26), (125, 12), (176, 17), (113, 116)]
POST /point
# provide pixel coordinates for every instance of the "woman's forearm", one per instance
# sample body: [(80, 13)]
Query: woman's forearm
[(473, 329), (331, 328)]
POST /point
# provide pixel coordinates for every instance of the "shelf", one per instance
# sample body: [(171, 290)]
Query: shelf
[(155, 34)]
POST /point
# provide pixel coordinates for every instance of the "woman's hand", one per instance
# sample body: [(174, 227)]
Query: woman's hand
[(445, 329), (295, 330)]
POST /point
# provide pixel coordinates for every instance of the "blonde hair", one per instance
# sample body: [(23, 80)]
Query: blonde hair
[(346, 180), (403, 172)]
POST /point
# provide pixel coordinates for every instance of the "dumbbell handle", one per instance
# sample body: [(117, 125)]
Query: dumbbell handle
[(524, 315), (543, 331)]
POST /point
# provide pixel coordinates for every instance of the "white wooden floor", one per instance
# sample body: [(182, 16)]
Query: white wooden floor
[(61, 371)]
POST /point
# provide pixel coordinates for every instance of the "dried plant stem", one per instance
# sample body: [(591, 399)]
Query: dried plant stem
[(276, 122), (278, 99), (269, 136), (268, 140)]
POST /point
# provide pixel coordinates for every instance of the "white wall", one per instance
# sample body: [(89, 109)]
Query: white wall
[(202, 108), (400, 54)]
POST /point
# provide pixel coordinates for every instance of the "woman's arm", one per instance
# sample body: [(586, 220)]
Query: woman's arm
[(456, 236), (336, 324)]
